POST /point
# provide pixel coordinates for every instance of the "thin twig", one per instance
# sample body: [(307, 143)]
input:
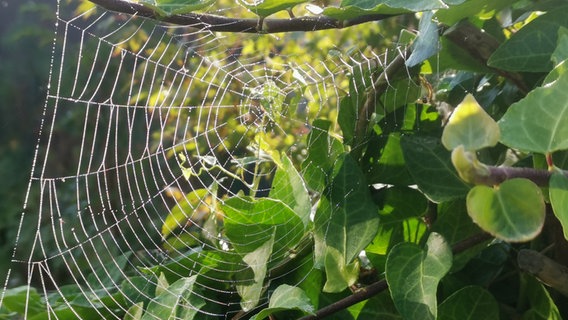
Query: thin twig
[(238, 25)]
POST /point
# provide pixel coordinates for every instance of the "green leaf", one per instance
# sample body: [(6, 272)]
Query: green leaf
[(453, 222), (480, 305), (19, 298), (547, 132), (171, 7), (430, 165), (426, 45), (347, 118), (288, 186), (346, 219), (286, 297), (184, 211), (513, 211), (339, 274), (385, 163), (258, 262), (470, 126), (542, 305), (323, 149), (413, 275), (135, 312), (180, 299), (264, 8), (401, 210), (250, 223), (530, 48), (483, 9), (558, 190), (380, 307), (353, 8)]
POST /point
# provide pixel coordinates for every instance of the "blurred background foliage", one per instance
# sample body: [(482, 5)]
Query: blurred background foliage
[(26, 33)]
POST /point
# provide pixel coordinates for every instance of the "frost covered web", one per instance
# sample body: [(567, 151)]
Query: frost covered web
[(148, 129)]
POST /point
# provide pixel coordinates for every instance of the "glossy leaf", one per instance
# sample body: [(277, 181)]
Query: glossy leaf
[(413, 275), (339, 274), (470, 126), (265, 8), (346, 219), (426, 45), (250, 223), (179, 299), (381, 307), (185, 212), (521, 129), (480, 305), (530, 48), (257, 260), (353, 8), (473, 8), (430, 165), (455, 225), (542, 306), (558, 191), (286, 297), (135, 312), (514, 211), (288, 186), (401, 210), (323, 149), (385, 164), (171, 7)]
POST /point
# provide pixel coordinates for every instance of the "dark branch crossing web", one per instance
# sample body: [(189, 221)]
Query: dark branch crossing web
[(148, 128)]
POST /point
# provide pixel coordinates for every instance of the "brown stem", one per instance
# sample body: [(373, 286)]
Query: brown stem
[(498, 175), (225, 24), (380, 286), (545, 269)]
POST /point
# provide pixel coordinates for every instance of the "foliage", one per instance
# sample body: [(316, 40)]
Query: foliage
[(392, 200)]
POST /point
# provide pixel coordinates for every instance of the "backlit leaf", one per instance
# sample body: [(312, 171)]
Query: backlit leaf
[(547, 132), (470, 126), (513, 211)]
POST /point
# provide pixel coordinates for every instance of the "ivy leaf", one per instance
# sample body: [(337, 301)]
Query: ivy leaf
[(184, 211), (542, 305), (353, 8), (323, 149), (264, 8), (514, 211), (340, 275), (547, 132), (426, 45), (179, 299), (558, 191), (171, 7), (286, 297), (288, 186), (481, 305), (530, 48), (470, 126), (430, 165), (347, 218), (250, 223), (413, 275), (481, 8), (257, 260)]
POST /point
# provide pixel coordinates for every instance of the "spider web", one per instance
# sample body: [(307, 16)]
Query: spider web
[(146, 128)]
